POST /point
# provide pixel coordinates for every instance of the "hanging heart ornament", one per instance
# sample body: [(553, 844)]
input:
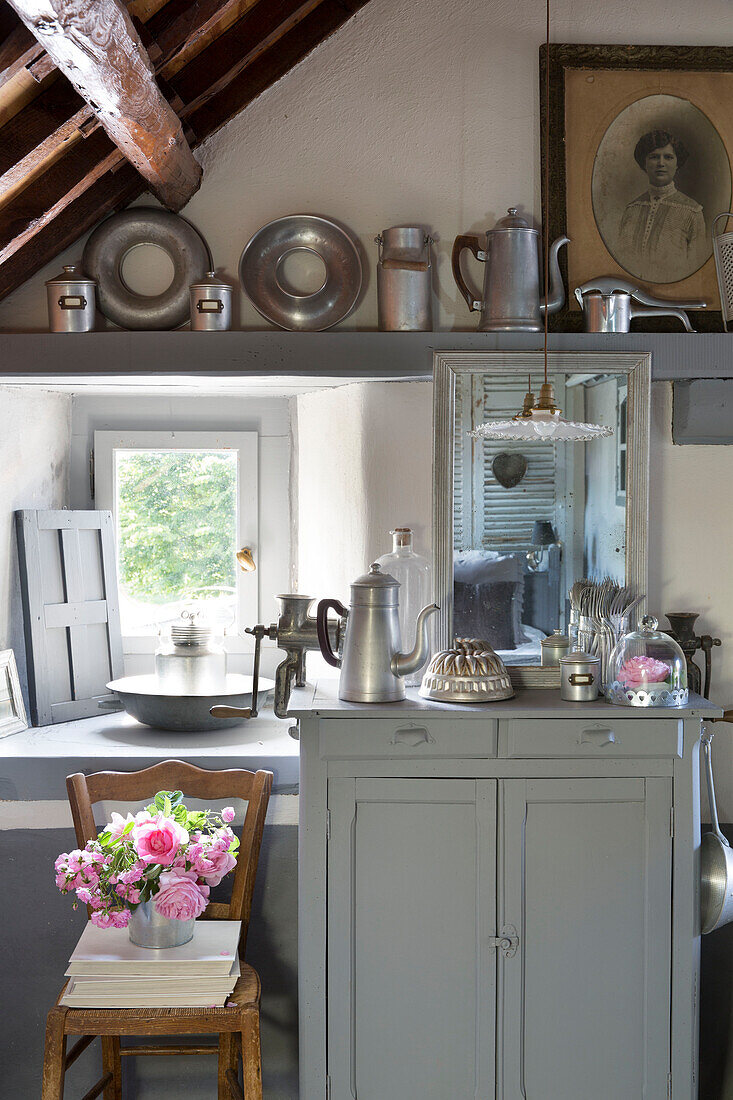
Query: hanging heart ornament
[(509, 469)]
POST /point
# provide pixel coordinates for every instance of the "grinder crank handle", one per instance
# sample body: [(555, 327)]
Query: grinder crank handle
[(222, 711)]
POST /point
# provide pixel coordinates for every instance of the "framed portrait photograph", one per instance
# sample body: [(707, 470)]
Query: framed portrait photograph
[(640, 147), (12, 709)]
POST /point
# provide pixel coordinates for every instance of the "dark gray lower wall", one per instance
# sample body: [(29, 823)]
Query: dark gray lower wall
[(40, 929)]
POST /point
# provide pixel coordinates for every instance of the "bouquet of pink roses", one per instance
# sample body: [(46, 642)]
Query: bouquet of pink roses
[(165, 852)]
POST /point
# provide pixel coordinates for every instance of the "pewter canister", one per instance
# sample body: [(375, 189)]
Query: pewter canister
[(71, 301), (554, 647), (580, 675), (404, 279), (211, 304)]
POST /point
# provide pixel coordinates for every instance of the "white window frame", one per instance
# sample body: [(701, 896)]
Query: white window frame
[(246, 446)]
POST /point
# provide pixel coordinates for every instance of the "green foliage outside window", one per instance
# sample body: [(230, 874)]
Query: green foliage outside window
[(176, 523)]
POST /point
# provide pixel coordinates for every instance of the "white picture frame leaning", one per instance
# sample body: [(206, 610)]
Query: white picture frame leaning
[(12, 708)]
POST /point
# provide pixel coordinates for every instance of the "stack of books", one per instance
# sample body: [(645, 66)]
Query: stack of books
[(106, 970)]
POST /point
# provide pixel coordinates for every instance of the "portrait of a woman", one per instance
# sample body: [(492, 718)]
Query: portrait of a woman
[(662, 231)]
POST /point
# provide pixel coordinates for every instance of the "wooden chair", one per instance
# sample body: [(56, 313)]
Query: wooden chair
[(237, 1027)]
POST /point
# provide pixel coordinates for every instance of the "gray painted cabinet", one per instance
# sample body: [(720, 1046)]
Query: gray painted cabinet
[(486, 905)]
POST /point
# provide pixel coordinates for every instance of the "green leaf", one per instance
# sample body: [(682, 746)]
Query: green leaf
[(128, 828), (180, 815), (160, 800), (104, 838), (176, 797), (167, 808), (152, 872)]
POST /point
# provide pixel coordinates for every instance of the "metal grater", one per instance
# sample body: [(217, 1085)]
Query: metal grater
[(723, 251)]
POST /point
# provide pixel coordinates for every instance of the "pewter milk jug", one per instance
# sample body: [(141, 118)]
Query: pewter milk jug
[(404, 279), (512, 296), (373, 667)]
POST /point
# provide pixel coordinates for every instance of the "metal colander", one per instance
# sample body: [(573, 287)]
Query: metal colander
[(723, 252)]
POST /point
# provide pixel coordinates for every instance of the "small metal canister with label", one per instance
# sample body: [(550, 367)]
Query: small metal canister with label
[(211, 304), (554, 647), (580, 675), (71, 301)]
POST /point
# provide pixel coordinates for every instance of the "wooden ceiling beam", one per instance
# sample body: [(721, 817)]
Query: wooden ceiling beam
[(100, 52), (109, 193), (74, 193), (255, 53), (42, 131)]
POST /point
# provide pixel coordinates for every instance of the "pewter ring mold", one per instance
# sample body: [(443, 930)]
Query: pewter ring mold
[(263, 278), (110, 243)]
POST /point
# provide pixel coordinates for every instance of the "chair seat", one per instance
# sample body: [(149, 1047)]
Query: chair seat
[(167, 1021)]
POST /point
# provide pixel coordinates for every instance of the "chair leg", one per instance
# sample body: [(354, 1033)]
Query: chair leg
[(251, 1059), (54, 1056), (112, 1063), (227, 1060)]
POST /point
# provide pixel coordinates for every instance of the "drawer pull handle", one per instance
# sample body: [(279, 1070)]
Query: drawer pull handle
[(412, 736), (601, 736)]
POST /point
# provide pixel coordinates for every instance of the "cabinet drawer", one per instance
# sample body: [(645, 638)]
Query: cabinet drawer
[(616, 737), (413, 739)]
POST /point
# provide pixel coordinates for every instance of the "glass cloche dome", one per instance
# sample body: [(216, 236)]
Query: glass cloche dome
[(647, 669)]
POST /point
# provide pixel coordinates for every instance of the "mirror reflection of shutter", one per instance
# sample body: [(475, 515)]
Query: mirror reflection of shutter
[(463, 446), (507, 515)]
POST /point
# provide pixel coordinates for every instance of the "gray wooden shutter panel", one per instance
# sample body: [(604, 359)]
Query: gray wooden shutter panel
[(71, 611)]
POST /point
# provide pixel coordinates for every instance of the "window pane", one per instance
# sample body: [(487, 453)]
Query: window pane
[(176, 534)]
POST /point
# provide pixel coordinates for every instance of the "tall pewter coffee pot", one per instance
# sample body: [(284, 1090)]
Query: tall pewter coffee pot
[(373, 667), (512, 297)]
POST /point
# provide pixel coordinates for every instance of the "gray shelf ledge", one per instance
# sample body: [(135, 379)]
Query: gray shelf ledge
[(341, 355)]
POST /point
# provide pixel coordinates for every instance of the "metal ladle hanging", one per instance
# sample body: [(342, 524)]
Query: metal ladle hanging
[(716, 856)]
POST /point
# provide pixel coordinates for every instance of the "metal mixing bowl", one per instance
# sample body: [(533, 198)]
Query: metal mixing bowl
[(143, 699)]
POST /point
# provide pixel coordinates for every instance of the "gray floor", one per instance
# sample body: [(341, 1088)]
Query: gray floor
[(40, 929)]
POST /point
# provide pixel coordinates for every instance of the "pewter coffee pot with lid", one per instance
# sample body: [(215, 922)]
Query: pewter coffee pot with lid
[(512, 298), (373, 667)]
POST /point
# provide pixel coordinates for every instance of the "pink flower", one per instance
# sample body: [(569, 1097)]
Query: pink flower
[(120, 917), (62, 883), (158, 840), (215, 865), (102, 920), (179, 896), (643, 670), (227, 814), (117, 825), (84, 895)]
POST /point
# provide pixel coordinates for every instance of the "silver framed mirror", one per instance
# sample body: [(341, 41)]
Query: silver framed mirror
[(518, 522)]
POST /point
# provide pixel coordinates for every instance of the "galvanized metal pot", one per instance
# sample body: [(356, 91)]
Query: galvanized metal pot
[(72, 297), (147, 928), (211, 304)]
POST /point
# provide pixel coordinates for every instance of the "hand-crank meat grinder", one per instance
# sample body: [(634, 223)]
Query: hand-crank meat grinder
[(296, 632)]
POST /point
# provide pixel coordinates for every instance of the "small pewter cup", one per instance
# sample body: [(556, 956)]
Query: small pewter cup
[(148, 928)]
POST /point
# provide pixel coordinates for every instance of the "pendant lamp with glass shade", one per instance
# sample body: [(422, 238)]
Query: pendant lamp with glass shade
[(542, 421)]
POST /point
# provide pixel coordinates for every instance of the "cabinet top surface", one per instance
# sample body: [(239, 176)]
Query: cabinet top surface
[(321, 700)]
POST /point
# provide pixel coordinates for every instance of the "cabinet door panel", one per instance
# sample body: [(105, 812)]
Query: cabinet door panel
[(586, 879), (412, 905)]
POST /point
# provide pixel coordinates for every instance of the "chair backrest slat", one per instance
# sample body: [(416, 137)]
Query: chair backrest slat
[(173, 775)]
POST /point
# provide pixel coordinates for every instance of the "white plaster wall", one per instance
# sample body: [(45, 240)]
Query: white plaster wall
[(364, 467), (414, 110), (35, 429)]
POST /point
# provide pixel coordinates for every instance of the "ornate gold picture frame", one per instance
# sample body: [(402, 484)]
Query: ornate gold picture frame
[(640, 163)]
